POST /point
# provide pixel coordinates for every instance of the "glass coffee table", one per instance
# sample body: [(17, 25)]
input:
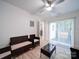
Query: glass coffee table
[(48, 51)]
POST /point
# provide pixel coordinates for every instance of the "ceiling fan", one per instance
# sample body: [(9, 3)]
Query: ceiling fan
[(49, 5)]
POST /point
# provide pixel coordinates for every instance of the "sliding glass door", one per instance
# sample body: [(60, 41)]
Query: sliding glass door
[(61, 31)]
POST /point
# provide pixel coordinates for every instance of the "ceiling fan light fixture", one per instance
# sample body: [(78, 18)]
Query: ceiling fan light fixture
[(46, 4), (53, 5), (49, 8)]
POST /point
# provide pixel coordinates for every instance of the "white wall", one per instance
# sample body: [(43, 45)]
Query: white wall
[(71, 15), (76, 33), (14, 22)]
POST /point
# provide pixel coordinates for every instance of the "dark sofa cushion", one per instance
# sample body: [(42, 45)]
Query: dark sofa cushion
[(5, 53), (74, 53), (19, 39)]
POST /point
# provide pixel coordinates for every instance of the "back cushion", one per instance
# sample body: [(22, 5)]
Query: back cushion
[(32, 36), (16, 40)]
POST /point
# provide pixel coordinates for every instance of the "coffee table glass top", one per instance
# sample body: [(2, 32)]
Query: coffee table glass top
[(49, 47)]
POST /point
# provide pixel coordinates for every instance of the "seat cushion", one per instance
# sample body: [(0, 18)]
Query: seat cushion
[(5, 54), (36, 40), (13, 47)]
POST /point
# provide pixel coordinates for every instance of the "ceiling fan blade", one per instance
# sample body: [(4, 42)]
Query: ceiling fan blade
[(58, 1), (40, 10), (54, 11)]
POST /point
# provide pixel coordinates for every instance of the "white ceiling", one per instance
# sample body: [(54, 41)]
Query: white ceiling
[(34, 6)]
